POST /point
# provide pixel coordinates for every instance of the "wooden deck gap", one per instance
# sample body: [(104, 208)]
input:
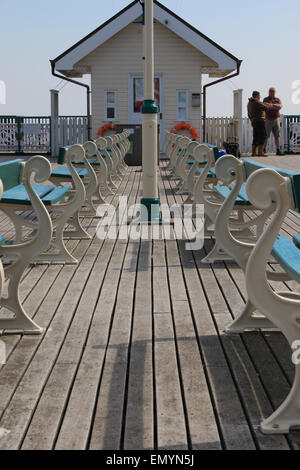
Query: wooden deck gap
[(66, 333), (89, 438), (122, 437), (241, 398), (188, 434), (155, 424), (201, 353), (209, 387), (57, 355), (215, 411), (221, 342)]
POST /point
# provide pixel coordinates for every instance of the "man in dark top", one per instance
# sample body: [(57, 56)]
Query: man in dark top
[(257, 114), (273, 119)]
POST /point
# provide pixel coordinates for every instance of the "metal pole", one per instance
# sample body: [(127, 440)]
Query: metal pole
[(88, 92), (150, 110), (235, 74)]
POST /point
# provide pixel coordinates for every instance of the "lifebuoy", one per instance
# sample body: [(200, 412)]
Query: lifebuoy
[(187, 127), (105, 128)]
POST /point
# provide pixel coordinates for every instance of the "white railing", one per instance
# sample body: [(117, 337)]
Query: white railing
[(8, 134), (219, 130), (69, 130), (247, 137), (26, 134)]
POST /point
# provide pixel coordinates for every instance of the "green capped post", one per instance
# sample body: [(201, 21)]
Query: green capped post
[(150, 202)]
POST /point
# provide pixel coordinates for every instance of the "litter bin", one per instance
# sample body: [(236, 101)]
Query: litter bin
[(232, 148), (134, 156)]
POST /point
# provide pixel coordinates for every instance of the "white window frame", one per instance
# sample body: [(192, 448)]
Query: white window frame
[(187, 107), (109, 105)]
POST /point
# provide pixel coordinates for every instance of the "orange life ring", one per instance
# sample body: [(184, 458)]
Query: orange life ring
[(105, 128), (187, 127)]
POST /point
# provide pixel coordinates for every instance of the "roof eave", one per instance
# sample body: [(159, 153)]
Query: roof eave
[(66, 62)]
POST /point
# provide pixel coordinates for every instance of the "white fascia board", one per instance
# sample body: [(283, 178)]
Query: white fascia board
[(224, 61), (82, 50)]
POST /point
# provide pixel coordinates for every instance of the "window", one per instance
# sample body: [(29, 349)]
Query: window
[(138, 93), (110, 105), (182, 105)]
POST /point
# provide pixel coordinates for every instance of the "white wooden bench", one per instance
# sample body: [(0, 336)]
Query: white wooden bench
[(211, 196), (265, 188), (62, 202), (18, 174), (234, 172), (87, 174)]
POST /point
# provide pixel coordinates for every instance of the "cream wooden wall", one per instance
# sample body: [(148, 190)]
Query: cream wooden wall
[(111, 64)]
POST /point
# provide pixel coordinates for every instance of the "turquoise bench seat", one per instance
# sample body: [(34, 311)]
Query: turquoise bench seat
[(10, 173), (251, 166), (64, 172), (103, 154), (217, 154), (48, 194), (62, 153), (296, 240), (56, 195), (242, 199), (2, 241), (210, 174), (93, 161), (287, 254)]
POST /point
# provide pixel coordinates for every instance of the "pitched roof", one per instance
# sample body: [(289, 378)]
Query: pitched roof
[(226, 61)]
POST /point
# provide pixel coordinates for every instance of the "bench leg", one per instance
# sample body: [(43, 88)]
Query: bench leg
[(288, 414), (103, 176), (246, 321), (62, 255), (189, 200), (111, 183), (78, 233), (88, 208), (21, 256), (216, 254), (99, 199), (109, 174), (20, 323)]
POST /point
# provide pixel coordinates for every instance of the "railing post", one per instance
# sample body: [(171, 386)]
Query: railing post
[(19, 134), (54, 96), (238, 116)]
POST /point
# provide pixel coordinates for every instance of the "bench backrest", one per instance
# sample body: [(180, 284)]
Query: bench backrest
[(10, 173), (215, 149), (62, 155), (251, 166)]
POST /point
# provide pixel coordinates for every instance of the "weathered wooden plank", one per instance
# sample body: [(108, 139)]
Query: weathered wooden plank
[(171, 425), (134, 352), (109, 413), (139, 426), (28, 390), (202, 425), (252, 394), (43, 436), (233, 425), (203, 429)]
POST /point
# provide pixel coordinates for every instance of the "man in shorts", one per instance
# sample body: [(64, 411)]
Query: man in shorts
[(257, 114), (273, 119)]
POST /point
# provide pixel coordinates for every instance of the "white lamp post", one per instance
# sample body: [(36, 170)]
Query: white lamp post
[(150, 202)]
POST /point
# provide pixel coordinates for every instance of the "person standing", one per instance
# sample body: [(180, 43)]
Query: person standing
[(273, 119), (257, 114)]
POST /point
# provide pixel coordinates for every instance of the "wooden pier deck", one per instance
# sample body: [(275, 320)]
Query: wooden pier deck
[(134, 355)]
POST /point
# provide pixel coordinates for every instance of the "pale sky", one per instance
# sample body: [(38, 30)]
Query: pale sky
[(263, 33)]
